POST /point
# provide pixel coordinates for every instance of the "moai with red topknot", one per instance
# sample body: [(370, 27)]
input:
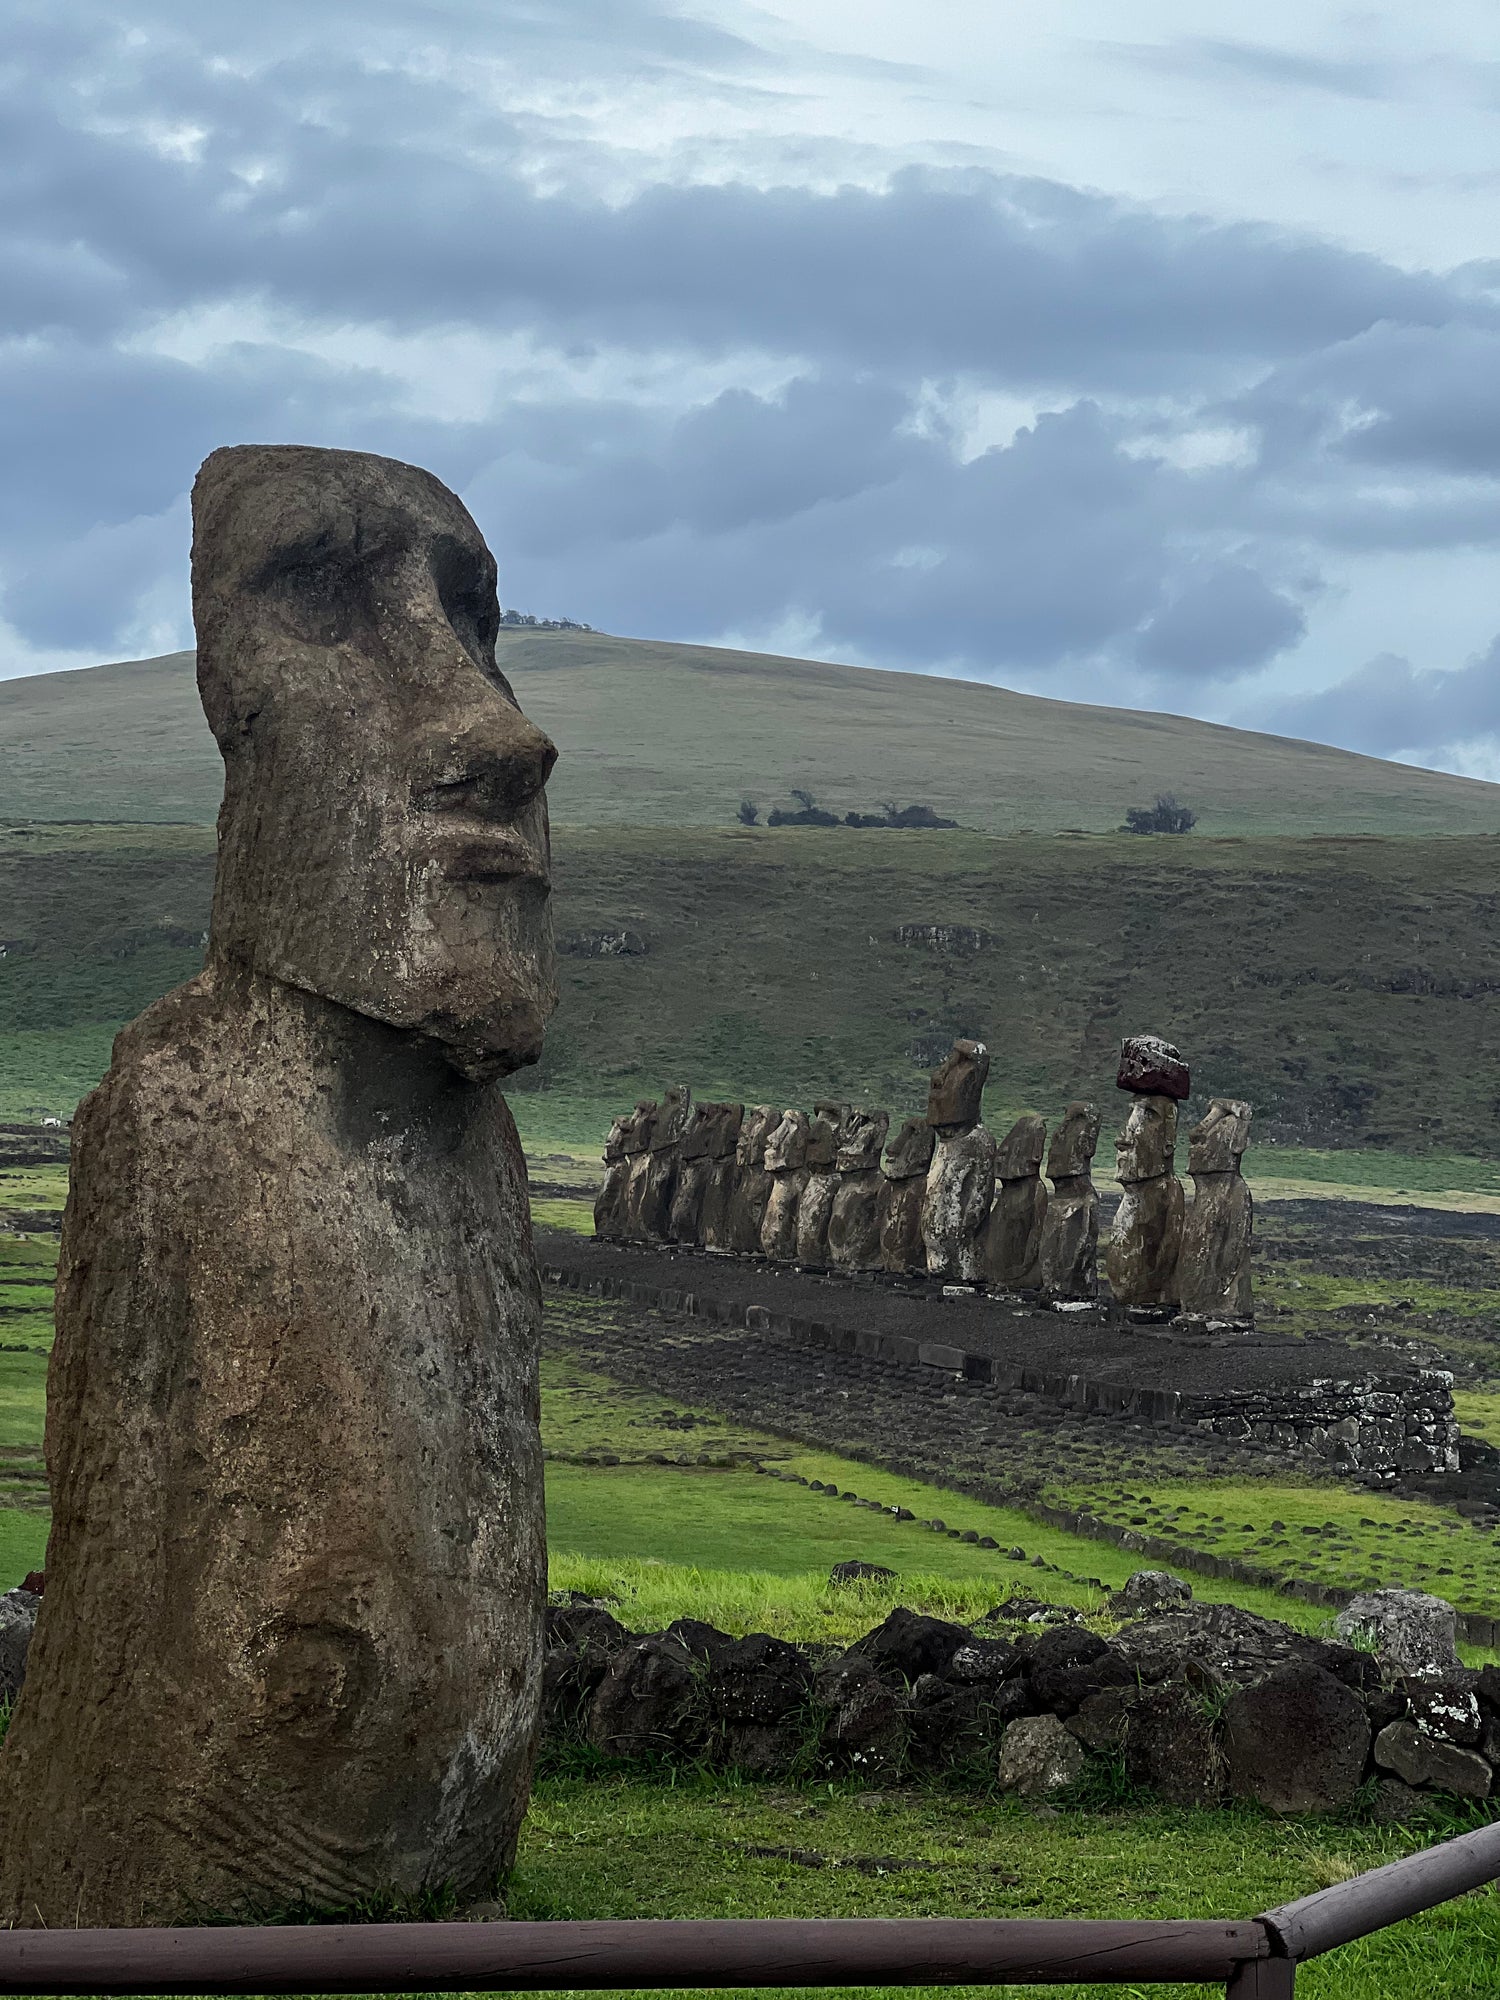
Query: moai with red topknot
[(1147, 1236)]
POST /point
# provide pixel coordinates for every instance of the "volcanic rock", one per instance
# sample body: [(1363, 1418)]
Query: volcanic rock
[(1012, 1243), (786, 1162), (1067, 1255), (1297, 1741), (1213, 1265), (752, 1183), (1039, 1757), (1410, 1630), (1150, 1065)]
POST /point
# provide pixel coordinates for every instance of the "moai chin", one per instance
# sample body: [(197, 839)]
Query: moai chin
[(607, 1202), (1070, 1234), (653, 1217), (1214, 1265), (961, 1179), (854, 1224), (898, 1213), (290, 1647), (1012, 1243), (723, 1174), (786, 1163), (752, 1182), (1147, 1234), (815, 1207)]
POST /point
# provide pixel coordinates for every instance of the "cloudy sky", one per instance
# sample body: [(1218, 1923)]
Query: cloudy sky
[(1072, 347)]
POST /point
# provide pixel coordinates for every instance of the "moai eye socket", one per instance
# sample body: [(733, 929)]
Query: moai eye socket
[(466, 591), (319, 595)]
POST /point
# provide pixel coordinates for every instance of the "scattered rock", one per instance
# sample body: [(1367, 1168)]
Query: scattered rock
[(1039, 1758), (866, 1725), (909, 1644), (1297, 1741), (1427, 1761), (1150, 1065), (647, 1703), (1411, 1630), (1149, 1590), (860, 1572), (18, 1609), (1170, 1746)]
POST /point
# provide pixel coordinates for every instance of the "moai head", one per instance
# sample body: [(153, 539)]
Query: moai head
[(614, 1142), (383, 839), (864, 1135), (910, 1152), (1018, 1157), (724, 1130), (640, 1126), (1153, 1067), (761, 1121), (676, 1103), (824, 1133), (1074, 1142), (786, 1148), (693, 1144), (1146, 1143), (1217, 1144), (957, 1087)]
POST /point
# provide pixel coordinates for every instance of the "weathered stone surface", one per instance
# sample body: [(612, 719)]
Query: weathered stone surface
[(909, 1644), (1102, 1720), (865, 1725), (814, 1213), (723, 1177), (694, 1169), (854, 1571), (609, 1201), (956, 1204), (292, 1428), (581, 1643), (909, 1154), (899, 1213), (956, 1089), (653, 1215), (1411, 1630), (1430, 1763), (825, 1134), (752, 1182), (1149, 1064), (1011, 1247), (757, 1691), (18, 1609), (1148, 1590), (1147, 1233), (1053, 1658), (949, 1725), (854, 1223), (638, 1148), (1297, 1741), (1019, 1155), (1169, 1745), (1445, 1705), (1039, 1757), (1234, 1645), (1067, 1256), (786, 1162), (649, 1702), (1213, 1266)]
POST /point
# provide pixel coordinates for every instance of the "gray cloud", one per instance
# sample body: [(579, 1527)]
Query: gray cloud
[(1216, 57), (1390, 705)]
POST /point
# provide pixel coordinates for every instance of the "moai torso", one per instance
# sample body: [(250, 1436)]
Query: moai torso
[(1147, 1233), (1214, 1266), (1070, 1232), (1012, 1248), (609, 1203), (751, 1189), (660, 1182), (693, 1170), (898, 1211), (961, 1179), (786, 1163), (723, 1175), (290, 1646), (815, 1205), (638, 1146), (854, 1222)]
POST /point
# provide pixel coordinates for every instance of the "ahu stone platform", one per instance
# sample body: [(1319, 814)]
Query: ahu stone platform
[(1308, 1398)]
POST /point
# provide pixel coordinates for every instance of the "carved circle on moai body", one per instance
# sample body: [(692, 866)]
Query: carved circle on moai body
[(408, 879), (1153, 1067), (909, 1154), (955, 1093)]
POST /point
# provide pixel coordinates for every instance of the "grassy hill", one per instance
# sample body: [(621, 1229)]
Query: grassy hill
[(666, 735)]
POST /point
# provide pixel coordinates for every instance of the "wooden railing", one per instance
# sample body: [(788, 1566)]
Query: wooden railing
[(1253, 1960)]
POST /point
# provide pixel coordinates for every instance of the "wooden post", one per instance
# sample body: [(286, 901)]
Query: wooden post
[(1262, 1979)]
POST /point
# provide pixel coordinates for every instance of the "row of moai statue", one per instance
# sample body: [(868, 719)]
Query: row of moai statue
[(943, 1199)]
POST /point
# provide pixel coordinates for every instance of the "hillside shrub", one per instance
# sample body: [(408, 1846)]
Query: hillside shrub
[(1166, 816)]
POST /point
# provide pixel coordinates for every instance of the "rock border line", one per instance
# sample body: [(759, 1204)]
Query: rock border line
[(1069, 1394)]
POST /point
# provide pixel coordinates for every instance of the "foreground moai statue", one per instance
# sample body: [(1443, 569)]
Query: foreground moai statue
[(898, 1212), (961, 1179), (693, 1170), (1012, 1246), (1213, 1268), (786, 1163), (825, 1134), (659, 1184), (1069, 1254), (290, 1646), (638, 1149), (854, 1223), (752, 1181), (723, 1175), (1147, 1234)]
